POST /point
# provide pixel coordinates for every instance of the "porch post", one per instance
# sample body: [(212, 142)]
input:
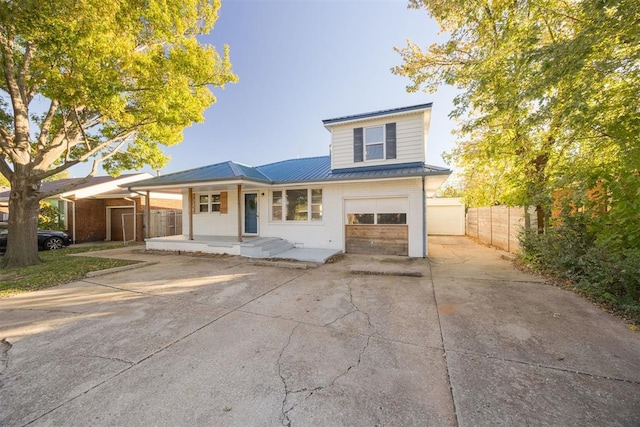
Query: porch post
[(239, 213), (190, 213)]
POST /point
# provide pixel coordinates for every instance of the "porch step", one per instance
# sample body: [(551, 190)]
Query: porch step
[(264, 247)]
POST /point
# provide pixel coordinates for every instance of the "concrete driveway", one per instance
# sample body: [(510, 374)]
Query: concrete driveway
[(223, 341)]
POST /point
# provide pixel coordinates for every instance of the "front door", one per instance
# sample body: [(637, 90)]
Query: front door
[(251, 213)]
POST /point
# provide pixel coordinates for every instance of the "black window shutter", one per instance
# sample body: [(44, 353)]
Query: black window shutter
[(391, 140), (358, 145)]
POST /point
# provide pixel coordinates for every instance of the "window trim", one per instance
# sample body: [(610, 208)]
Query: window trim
[(366, 144), (376, 218), (283, 205), (210, 203)]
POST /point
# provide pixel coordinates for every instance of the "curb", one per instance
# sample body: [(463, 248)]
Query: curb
[(119, 269)]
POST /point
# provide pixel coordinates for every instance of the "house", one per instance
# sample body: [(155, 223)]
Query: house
[(99, 209), (368, 196)]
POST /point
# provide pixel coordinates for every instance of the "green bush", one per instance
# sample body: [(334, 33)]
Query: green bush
[(49, 217), (606, 272)]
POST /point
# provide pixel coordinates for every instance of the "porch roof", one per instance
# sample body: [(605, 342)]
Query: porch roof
[(311, 169)]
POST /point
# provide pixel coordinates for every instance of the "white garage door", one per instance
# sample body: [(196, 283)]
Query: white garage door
[(445, 217)]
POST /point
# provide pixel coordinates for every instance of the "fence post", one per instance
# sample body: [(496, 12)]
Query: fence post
[(508, 228), (491, 225)]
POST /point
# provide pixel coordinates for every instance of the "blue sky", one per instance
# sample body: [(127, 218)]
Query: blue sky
[(302, 61)]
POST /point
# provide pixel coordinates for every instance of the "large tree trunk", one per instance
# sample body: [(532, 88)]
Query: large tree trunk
[(22, 240)]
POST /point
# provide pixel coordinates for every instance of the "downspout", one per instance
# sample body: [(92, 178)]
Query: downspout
[(73, 216), (424, 219), (135, 221)]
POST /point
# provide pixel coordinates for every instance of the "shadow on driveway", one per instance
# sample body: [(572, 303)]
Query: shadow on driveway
[(223, 341)]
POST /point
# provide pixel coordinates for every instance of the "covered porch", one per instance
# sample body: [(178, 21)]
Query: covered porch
[(246, 246)]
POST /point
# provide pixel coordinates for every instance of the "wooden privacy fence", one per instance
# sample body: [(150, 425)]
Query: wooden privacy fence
[(500, 226), (164, 223)]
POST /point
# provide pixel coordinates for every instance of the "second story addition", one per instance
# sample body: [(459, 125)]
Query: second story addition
[(389, 137)]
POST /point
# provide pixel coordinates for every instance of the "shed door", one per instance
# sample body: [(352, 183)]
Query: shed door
[(377, 226), (117, 232)]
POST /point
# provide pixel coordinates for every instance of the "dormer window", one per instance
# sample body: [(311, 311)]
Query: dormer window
[(374, 143)]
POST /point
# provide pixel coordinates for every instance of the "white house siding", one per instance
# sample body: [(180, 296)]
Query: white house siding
[(411, 139), (212, 223), (329, 233)]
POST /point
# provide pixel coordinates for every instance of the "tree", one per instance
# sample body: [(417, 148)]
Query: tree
[(549, 94), (106, 81)]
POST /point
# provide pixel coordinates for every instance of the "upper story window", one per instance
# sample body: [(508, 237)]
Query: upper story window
[(374, 143)]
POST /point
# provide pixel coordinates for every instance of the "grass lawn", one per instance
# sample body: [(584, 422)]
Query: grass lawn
[(58, 267)]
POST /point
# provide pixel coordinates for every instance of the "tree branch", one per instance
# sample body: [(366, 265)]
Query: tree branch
[(46, 124), (25, 73), (20, 118), (5, 169)]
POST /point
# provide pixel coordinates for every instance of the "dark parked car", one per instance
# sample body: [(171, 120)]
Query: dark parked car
[(47, 240)]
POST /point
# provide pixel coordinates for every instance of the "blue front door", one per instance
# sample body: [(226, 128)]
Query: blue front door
[(251, 213)]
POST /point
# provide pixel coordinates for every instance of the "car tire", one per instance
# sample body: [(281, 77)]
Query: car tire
[(53, 243)]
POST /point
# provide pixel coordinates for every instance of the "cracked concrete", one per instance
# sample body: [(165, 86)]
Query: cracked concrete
[(221, 341), (5, 346)]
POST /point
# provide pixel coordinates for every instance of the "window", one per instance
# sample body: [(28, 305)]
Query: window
[(360, 218), (209, 203), (316, 205), (276, 206), (374, 143), (378, 219), (392, 218), (295, 205)]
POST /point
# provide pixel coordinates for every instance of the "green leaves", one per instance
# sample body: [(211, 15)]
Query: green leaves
[(117, 70), (550, 91), (114, 81)]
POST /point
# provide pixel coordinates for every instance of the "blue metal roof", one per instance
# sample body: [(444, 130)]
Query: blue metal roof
[(298, 170), (217, 172), (377, 114), (310, 169)]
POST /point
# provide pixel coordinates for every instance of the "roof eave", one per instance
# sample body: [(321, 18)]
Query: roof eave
[(183, 184), (329, 123), (364, 178)]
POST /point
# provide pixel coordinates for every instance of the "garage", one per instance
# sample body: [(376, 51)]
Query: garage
[(445, 217), (377, 226), (122, 225)]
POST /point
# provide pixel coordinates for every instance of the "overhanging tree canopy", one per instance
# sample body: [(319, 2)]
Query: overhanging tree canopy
[(97, 80), (549, 100)]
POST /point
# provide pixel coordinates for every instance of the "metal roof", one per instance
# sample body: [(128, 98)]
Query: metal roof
[(377, 114), (310, 169), (217, 172), (298, 170)]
